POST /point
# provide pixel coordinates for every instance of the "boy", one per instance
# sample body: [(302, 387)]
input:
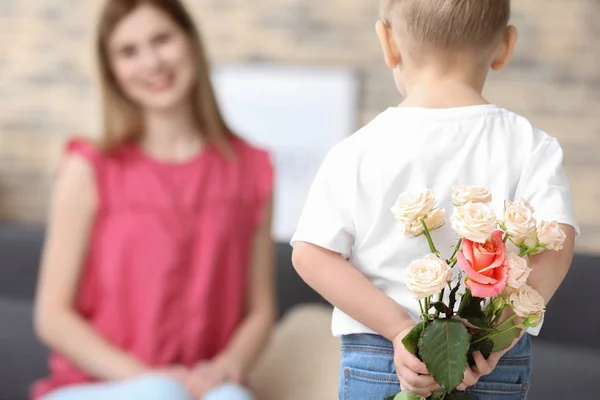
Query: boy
[(347, 245)]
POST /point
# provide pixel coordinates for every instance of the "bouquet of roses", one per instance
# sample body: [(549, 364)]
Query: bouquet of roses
[(489, 293)]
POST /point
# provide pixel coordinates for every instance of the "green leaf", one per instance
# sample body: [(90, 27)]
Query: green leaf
[(411, 340), (481, 323), (471, 307), (458, 396), (406, 395), (503, 340), (453, 295), (442, 308), (438, 394), (444, 348)]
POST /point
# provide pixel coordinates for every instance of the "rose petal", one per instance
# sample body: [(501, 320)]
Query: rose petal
[(502, 275), (497, 235), (483, 291), (467, 249), (465, 265), (499, 261), (482, 260), (500, 252)]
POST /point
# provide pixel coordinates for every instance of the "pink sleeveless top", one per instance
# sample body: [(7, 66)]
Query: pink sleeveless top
[(166, 273)]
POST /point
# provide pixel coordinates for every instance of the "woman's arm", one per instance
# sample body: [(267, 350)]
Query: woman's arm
[(57, 323), (252, 335)]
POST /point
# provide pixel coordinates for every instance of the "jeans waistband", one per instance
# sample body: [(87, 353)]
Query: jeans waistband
[(520, 350), (366, 339)]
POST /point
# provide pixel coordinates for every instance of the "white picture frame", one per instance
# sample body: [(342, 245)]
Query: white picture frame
[(295, 113)]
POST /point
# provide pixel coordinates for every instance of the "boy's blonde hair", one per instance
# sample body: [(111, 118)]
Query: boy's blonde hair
[(448, 24)]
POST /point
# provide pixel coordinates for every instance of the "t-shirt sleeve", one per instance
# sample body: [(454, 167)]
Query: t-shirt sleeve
[(327, 218), (545, 185)]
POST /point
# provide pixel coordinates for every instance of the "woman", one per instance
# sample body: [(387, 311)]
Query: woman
[(156, 280)]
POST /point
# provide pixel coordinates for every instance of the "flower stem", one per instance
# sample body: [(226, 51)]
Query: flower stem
[(456, 250), (497, 314), (525, 251), (498, 333), (429, 240), (421, 307), (506, 321)]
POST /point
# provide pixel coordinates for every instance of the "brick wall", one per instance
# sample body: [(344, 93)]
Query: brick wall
[(47, 88)]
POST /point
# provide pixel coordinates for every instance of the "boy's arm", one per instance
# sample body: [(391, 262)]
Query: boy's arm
[(346, 288), (551, 267)]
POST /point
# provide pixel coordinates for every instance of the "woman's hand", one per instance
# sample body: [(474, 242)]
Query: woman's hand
[(207, 375), (179, 374)]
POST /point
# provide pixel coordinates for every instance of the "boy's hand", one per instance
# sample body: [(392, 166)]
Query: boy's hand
[(482, 366), (411, 371)]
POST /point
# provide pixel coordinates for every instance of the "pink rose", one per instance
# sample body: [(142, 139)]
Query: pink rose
[(485, 265)]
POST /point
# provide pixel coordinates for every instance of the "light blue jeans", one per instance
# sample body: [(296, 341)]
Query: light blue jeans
[(368, 371), (144, 388)]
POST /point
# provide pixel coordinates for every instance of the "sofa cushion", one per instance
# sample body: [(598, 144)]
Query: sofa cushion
[(570, 318), (564, 372), (23, 358), (20, 249), (302, 360)]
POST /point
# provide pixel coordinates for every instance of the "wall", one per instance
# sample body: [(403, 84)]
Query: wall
[(47, 88)]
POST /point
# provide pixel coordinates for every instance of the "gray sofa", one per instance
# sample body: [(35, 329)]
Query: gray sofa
[(566, 355)]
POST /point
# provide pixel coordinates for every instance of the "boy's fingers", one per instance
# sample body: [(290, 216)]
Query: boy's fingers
[(417, 391), (416, 380), (484, 367), (470, 378), (416, 365)]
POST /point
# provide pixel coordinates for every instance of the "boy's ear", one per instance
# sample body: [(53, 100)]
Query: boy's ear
[(388, 44), (505, 49)]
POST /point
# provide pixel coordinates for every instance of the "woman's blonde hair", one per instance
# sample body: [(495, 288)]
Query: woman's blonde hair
[(121, 118)]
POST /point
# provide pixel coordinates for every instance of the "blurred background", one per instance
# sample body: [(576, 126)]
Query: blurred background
[(327, 52)]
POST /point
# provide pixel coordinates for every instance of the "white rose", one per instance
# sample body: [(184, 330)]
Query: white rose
[(520, 224), (527, 302), (550, 235), (427, 276), (524, 203), (413, 205), (435, 219), (464, 194), (474, 221), (518, 271)]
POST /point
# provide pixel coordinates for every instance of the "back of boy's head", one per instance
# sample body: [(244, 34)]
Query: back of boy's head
[(447, 24)]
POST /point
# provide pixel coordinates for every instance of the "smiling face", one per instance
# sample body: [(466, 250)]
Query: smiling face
[(151, 59)]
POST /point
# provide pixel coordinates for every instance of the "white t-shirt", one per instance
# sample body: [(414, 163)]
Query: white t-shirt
[(348, 206)]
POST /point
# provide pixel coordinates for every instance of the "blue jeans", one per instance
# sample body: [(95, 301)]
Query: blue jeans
[(368, 371), (145, 388)]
